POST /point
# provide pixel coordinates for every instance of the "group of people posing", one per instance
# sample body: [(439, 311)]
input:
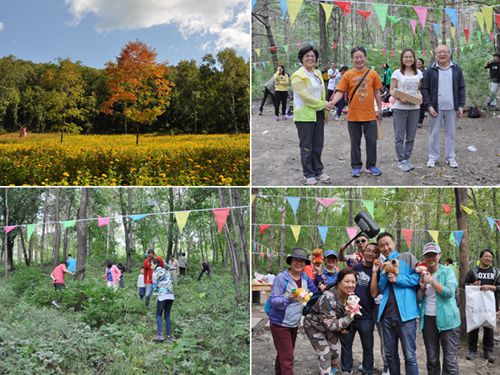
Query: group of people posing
[(438, 90), (397, 294)]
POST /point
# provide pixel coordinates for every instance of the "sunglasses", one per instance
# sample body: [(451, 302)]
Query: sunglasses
[(361, 241)]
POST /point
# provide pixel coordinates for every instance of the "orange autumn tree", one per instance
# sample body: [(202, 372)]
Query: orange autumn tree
[(138, 85)]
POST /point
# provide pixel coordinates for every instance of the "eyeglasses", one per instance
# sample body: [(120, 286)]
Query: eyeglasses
[(361, 241)]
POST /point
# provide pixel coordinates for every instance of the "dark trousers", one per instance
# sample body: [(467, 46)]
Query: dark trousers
[(340, 106), (284, 342), (311, 139), (280, 98), (266, 93), (394, 331), (163, 308), (356, 130), (365, 329), (202, 272), (488, 337), (329, 94), (142, 292), (59, 287), (422, 114), (182, 271), (449, 342)]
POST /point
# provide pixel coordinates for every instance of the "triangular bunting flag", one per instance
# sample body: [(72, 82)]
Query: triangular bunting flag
[(498, 225), (466, 33), (446, 208), (422, 15), (488, 17), (369, 206), (296, 231), (480, 20), (436, 29), (181, 218), (364, 13), (137, 217), (467, 210), (497, 19), (345, 6), (394, 20), (257, 52), (294, 203), (381, 11), (326, 202), (102, 221), (253, 4), (293, 9), (451, 240), (491, 221), (284, 8), (30, 230), (351, 232), (458, 234), (452, 32), (263, 227), (253, 198), (452, 13), (323, 231), (221, 215), (328, 10), (407, 234), (413, 24), (434, 235), (9, 228), (69, 223)]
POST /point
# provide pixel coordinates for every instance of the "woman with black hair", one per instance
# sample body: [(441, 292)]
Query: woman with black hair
[(281, 83), (164, 288)]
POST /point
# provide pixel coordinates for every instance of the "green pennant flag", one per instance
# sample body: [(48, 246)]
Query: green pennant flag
[(285, 47), (394, 20), (479, 36), (69, 223), (30, 230), (451, 240), (369, 206), (381, 10)]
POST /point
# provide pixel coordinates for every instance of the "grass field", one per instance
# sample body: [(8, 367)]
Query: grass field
[(102, 160)]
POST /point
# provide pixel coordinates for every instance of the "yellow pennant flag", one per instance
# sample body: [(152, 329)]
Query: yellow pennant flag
[(253, 198), (293, 9), (181, 217), (434, 234), (328, 10), (480, 20), (467, 210), (296, 231), (488, 18), (452, 32), (257, 52)]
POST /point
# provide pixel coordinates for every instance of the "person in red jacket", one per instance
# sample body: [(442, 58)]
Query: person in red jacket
[(148, 274), (57, 277)]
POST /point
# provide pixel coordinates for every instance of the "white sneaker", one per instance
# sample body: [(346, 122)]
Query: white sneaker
[(403, 165), (452, 163), (386, 372), (431, 163), (56, 304), (323, 177), (310, 180)]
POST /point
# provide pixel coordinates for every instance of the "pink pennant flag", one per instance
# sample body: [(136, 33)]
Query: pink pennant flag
[(345, 6), (221, 215), (466, 32), (407, 234), (102, 221), (263, 227), (492, 37), (497, 18), (498, 225), (364, 13), (351, 232), (422, 15), (9, 228), (413, 24), (326, 202)]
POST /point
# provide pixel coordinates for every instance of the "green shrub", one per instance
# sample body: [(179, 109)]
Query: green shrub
[(25, 279)]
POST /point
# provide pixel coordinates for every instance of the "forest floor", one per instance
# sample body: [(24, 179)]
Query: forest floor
[(276, 158), (263, 353)]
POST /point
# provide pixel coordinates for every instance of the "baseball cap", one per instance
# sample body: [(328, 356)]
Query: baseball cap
[(331, 252), (431, 247)]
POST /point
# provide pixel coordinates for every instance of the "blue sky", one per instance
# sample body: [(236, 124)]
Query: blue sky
[(94, 31)]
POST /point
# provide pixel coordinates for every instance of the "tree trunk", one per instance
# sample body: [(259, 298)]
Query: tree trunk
[(170, 222), (82, 234), (44, 227), (27, 260), (57, 232), (127, 225), (6, 217), (497, 232), (461, 199)]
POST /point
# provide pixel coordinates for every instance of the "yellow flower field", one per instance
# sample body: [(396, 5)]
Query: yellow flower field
[(98, 160)]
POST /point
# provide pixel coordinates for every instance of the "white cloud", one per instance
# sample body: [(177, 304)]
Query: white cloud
[(1, 26), (227, 20)]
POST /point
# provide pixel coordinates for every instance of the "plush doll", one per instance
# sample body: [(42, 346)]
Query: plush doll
[(301, 295), (354, 307), (391, 266), (353, 259), (421, 268), (317, 257)]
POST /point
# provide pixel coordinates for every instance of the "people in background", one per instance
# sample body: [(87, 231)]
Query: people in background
[(57, 277), (141, 288), (281, 83)]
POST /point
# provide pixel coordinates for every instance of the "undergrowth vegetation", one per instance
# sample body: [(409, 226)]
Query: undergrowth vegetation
[(98, 331)]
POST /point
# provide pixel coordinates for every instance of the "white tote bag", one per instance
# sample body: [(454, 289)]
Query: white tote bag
[(479, 308)]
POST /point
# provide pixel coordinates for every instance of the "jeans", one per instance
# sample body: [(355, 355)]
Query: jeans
[(394, 330), (449, 342), (405, 128), (356, 131), (493, 86), (488, 337), (164, 307), (311, 140), (449, 119), (284, 342), (142, 292), (266, 93), (280, 98), (365, 329), (149, 291)]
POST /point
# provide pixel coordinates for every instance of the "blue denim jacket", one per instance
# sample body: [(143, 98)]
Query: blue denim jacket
[(447, 313)]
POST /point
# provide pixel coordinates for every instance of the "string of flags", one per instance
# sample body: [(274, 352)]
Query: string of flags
[(181, 217)]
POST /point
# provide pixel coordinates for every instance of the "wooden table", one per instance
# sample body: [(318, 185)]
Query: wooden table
[(259, 287)]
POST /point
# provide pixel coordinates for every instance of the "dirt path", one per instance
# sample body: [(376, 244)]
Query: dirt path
[(276, 159), (263, 354)]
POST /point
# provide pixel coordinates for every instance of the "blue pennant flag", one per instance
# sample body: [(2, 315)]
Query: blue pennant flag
[(284, 8), (458, 234), (294, 203), (491, 221), (436, 29), (452, 13), (137, 217), (323, 231), (253, 4)]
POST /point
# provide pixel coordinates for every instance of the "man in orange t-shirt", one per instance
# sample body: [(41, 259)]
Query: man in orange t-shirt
[(361, 115)]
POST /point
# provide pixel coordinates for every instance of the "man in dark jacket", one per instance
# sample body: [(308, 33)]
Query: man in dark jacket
[(494, 66), (443, 91)]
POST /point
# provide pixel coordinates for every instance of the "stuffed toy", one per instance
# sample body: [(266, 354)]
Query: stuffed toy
[(317, 257), (391, 266), (354, 307), (301, 295), (421, 268), (353, 259)]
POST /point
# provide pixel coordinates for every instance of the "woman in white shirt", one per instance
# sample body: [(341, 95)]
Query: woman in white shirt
[(407, 80)]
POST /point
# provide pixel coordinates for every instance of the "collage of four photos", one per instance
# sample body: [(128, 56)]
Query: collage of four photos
[(249, 187)]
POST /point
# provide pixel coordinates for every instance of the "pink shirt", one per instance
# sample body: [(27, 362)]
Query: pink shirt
[(58, 274)]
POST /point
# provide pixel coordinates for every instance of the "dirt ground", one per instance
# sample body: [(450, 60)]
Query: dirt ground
[(276, 158), (263, 353)]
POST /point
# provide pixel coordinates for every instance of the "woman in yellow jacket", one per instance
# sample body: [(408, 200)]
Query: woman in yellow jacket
[(281, 83), (309, 114)]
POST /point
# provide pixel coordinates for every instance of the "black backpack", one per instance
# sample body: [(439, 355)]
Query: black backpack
[(474, 112)]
